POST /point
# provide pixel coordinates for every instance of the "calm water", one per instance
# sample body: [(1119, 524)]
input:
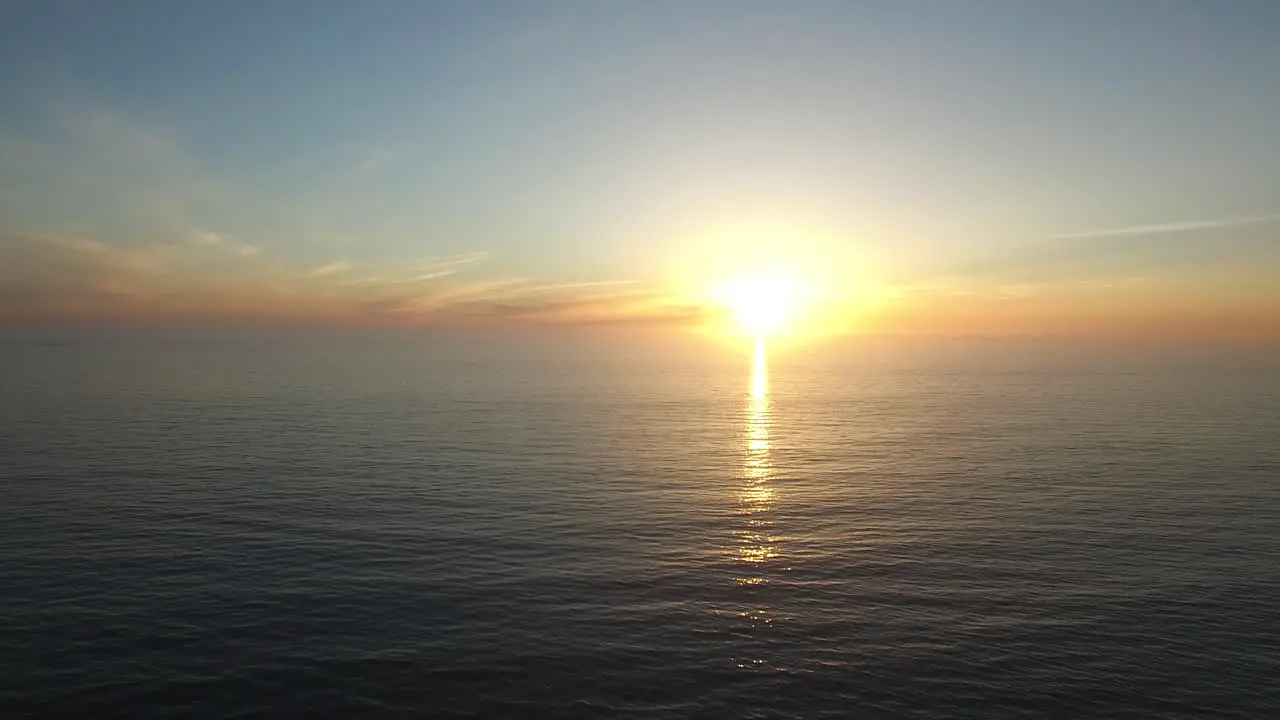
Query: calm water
[(231, 525)]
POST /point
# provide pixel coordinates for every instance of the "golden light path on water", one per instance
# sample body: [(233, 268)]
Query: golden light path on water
[(756, 496)]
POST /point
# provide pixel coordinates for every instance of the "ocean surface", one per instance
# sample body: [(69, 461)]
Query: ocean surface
[(394, 524)]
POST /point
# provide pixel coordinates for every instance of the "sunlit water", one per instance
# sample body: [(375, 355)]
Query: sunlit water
[(392, 525)]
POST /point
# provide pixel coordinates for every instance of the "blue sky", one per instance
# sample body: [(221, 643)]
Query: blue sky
[(549, 147)]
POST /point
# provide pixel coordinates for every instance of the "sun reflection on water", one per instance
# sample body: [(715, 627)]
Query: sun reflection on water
[(756, 544)]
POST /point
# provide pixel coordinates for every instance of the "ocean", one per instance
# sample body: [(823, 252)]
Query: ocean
[(387, 523)]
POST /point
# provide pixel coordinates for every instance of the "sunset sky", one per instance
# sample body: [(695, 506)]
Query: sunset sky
[(990, 168)]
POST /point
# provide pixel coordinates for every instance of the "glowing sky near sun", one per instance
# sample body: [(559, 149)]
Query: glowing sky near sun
[(954, 168)]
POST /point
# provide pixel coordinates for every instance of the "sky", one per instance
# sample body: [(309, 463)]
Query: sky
[(963, 168)]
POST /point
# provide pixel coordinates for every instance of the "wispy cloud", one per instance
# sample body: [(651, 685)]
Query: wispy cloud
[(417, 273), (56, 273), (124, 175), (1173, 227), (333, 268), (430, 268), (1113, 256), (224, 242), (590, 285), (61, 276), (602, 302), (77, 276)]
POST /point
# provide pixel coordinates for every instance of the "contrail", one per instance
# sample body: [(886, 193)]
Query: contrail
[(1167, 227)]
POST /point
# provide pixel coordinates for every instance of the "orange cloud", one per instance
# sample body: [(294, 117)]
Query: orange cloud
[(59, 277), (51, 277)]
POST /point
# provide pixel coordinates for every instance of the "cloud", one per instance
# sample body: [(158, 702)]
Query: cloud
[(77, 277), (561, 287), (74, 276), (113, 170), (514, 300), (224, 242), (1156, 252), (418, 273), (439, 267), (52, 273), (155, 249), (1162, 228), (630, 308), (595, 302), (333, 268)]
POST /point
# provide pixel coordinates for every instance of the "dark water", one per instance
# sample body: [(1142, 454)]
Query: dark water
[(396, 525)]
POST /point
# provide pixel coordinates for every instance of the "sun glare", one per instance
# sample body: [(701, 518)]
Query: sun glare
[(763, 304)]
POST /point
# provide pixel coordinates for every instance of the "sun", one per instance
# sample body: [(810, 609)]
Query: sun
[(763, 303)]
